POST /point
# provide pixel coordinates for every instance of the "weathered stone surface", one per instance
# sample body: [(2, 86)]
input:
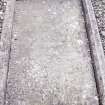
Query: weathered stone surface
[(5, 39), (50, 63), (97, 50)]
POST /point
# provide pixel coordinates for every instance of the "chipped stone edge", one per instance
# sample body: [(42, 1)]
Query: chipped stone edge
[(5, 43), (97, 53)]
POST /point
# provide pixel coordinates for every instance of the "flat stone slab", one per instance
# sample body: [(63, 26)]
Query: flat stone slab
[(50, 62)]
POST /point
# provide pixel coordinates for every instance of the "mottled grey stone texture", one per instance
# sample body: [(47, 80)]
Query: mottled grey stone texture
[(96, 49), (2, 13), (5, 39), (50, 62), (99, 9)]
